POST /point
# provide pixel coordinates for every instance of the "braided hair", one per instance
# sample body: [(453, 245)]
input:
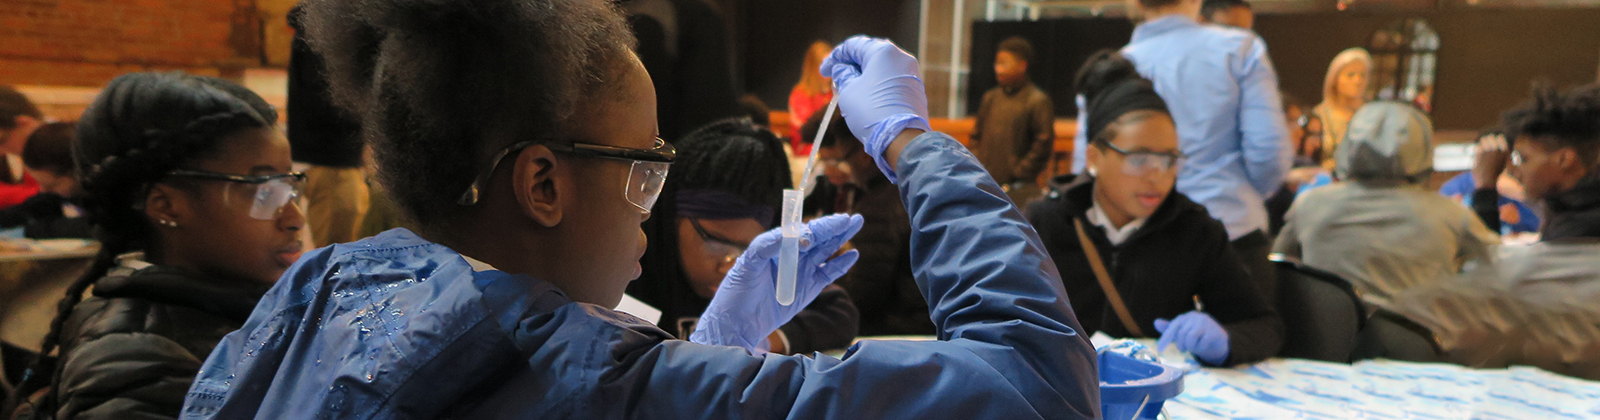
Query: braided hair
[(140, 127)]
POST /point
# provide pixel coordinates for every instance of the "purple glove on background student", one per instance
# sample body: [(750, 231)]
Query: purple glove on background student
[(1197, 333)]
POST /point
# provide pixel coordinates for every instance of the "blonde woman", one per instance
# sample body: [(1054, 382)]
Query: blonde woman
[(812, 94), (1343, 92)]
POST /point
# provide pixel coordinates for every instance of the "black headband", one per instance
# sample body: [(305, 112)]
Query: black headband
[(721, 205), (1122, 97)]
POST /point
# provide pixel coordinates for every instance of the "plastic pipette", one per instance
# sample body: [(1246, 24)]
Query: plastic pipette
[(793, 229)]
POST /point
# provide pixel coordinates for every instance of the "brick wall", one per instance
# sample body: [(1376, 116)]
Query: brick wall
[(88, 42)]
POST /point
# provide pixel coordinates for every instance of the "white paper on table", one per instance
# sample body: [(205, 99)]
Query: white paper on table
[(634, 307)]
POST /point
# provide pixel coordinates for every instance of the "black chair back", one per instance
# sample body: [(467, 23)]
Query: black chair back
[(1322, 313), (1390, 335)]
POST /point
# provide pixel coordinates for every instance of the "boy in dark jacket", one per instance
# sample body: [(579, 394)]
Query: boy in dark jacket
[(1015, 128), (1169, 261)]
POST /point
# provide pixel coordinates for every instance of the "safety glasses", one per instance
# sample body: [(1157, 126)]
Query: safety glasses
[(272, 192), (725, 251), (645, 178), (1140, 163)]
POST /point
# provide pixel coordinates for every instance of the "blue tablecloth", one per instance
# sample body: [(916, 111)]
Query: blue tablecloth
[(1293, 388)]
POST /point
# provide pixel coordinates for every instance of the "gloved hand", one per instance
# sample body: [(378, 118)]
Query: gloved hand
[(880, 93), (1197, 333), (745, 309)]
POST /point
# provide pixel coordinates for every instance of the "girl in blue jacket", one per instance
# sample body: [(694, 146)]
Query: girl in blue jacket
[(520, 138)]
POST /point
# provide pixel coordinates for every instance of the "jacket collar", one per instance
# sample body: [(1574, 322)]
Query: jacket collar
[(226, 297), (1076, 193), (1574, 212), (1161, 26)]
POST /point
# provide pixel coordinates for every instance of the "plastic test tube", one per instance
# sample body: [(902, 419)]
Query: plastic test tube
[(789, 252), (793, 229)]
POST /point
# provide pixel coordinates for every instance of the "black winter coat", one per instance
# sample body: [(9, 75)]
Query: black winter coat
[(881, 283), (1179, 253), (133, 347)]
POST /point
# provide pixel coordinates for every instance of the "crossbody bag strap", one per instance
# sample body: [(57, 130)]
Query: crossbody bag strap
[(1099, 268)]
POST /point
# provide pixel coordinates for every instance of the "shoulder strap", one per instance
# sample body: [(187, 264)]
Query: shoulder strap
[(1099, 268)]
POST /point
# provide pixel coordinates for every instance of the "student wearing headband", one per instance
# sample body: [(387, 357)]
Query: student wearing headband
[(1223, 91), (725, 188), (1137, 258)]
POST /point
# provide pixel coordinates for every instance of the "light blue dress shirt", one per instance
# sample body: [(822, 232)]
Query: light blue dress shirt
[(1223, 93)]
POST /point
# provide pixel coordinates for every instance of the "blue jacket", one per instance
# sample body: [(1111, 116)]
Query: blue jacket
[(1223, 93), (397, 327)]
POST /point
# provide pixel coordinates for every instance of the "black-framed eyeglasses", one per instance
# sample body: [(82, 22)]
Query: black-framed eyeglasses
[(645, 179), (272, 193), (724, 250), (1140, 163)]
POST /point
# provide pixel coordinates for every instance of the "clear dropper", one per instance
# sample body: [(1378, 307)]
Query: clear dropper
[(793, 228)]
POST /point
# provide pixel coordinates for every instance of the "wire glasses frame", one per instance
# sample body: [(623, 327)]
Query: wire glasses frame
[(645, 178)]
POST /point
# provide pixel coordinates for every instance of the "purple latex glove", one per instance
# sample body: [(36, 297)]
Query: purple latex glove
[(1197, 333), (880, 93), (745, 309)]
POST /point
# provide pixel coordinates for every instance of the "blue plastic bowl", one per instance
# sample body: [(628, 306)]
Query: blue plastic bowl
[(1135, 389)]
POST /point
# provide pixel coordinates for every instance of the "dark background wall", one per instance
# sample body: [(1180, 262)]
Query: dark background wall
[(774, 34), (1487, 58)]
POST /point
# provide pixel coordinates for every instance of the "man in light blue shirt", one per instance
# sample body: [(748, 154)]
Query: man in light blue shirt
[(1223, 93)]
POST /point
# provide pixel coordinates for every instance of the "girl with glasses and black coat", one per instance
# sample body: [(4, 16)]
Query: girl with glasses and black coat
[(188, 186), (1165, 255), (725, 188)]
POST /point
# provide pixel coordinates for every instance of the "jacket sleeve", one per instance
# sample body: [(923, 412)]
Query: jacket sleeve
[(40, 207), (125, 376), (1266, 153), (1486, 204), (797, 102), (1255, 331), (1008, 346), (1288, 242), (829, 322), (1044, 128), (1475, 239)]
